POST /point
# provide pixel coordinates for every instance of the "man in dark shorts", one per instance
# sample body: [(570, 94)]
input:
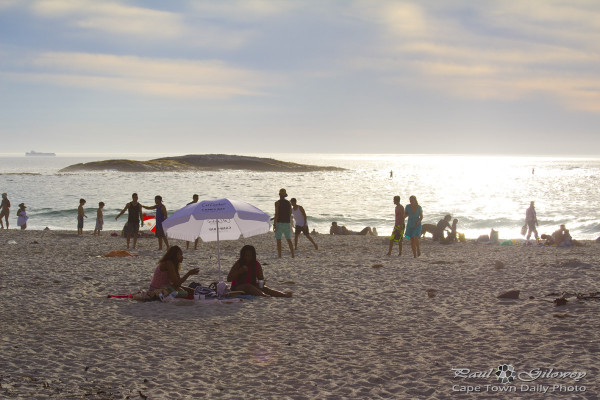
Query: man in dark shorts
[(134, 219), (301, 222)]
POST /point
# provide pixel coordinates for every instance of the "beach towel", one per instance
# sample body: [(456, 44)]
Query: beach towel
[(152, 295), (146, 295), (119, 253), (143, 296)]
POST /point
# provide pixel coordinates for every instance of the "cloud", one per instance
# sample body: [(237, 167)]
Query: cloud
[(145, 25), (406, 20), (244, 10), (113, 18), (491, 50), (7, 3), (146, 76)]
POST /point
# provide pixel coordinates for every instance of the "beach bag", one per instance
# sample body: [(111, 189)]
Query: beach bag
[(220, 288), (206, 291), (524, 230), (494, 236), (483, 238)]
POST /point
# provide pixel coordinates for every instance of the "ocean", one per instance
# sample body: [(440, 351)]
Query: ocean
[(483, 192)]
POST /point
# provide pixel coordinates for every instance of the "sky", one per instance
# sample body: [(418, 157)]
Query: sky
[(315, 76)]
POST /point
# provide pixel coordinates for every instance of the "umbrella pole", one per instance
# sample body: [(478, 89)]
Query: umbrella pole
[(219, 252)]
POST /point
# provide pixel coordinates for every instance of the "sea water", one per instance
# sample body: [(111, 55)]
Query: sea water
[(481, 192)]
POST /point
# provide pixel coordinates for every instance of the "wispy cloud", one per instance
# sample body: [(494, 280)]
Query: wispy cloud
[(514, 50), (112, 17), (190, 26), (244, 9), (158, 77)]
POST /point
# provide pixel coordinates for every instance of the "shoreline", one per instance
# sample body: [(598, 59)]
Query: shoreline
[(146, 234), (359, 325)]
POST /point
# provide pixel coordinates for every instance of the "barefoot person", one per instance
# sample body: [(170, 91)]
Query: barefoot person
[(531, 222), (80, 216), (413, 226), (22, 216), (5, 206), (336, 229), (134, 219), (283, 222), (398, 232), (247, 276), (99, 219), (161, 215), (301, 222), (167, 273)]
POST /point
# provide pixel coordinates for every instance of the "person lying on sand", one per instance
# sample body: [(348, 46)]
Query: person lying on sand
[(247, 276), (167, 273), (335, 229)]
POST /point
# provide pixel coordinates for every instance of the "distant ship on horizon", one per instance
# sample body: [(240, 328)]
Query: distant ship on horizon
[(35, 153)]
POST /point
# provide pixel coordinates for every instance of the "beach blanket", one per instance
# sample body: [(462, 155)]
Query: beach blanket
[(153, 295), (213, 300), (119, 253)]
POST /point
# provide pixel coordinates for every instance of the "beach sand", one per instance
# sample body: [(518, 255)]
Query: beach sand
[(360, 324)]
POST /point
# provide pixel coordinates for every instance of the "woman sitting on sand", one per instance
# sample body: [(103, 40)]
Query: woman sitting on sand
[(166, 274), (245, 274)]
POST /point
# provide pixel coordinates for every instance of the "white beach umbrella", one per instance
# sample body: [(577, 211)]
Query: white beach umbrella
[(220, 219)]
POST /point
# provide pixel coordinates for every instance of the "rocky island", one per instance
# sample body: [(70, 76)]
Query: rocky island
[(193, 162)]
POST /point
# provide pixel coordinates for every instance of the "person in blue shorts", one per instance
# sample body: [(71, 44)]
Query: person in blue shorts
[(414, 212), (283, 222)]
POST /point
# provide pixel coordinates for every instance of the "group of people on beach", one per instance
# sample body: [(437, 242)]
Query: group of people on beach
[(134, 222), (5, 213), (286, 212), (246, 276), (411, 229), (81, 215), (561, 237)]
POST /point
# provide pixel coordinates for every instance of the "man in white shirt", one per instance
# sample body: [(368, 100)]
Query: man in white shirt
[(301, 223)]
